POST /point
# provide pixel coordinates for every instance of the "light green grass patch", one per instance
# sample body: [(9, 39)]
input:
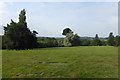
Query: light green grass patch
[(61, 62)]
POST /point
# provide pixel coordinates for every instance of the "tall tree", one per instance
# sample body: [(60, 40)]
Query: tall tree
[(71, 39), (96, 41), (111, 41), (18, 36)]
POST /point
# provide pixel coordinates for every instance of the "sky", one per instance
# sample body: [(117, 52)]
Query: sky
[(50, 18)]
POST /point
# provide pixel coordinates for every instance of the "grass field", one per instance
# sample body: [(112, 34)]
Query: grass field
[(61, 62)]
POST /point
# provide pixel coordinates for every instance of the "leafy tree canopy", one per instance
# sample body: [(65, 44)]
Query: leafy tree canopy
[(66, 30), (71, 39), (111, 41), (18, 36), (96, 41)]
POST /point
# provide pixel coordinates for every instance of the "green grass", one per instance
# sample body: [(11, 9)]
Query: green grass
[(61, 62)]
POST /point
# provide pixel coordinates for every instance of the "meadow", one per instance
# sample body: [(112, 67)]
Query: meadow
[(61, 62)]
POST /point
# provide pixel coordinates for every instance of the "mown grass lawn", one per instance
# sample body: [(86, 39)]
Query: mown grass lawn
[(61, 62)]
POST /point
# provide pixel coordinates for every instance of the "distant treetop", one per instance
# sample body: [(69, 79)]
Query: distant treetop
[(66, 30)]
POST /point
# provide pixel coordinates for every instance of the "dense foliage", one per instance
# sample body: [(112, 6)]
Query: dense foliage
[(50, 42), (18, 36), (66, 30), (111, 40), (96, 41), (85, 42), (117, 40), (71, 39), (47, 42)]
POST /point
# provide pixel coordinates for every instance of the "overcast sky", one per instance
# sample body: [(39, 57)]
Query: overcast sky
[(50, 18)]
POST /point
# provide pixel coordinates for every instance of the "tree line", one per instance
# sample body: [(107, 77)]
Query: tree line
[(72, 39), (18, 36)]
